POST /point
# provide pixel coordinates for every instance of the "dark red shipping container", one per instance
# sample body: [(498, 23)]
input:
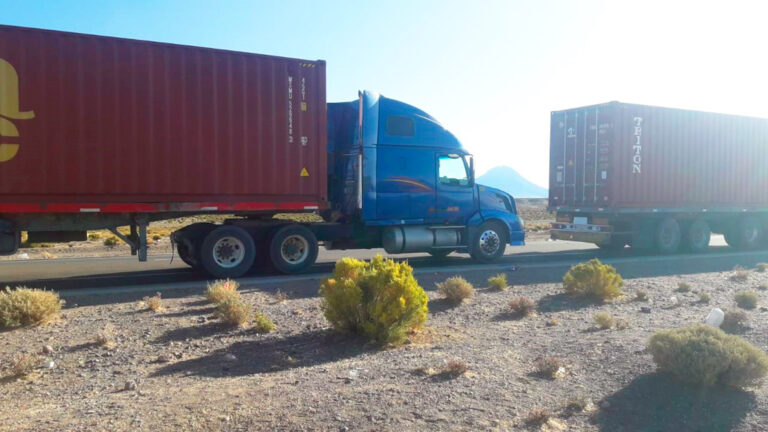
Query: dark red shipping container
[(91, 123), (623, 156)]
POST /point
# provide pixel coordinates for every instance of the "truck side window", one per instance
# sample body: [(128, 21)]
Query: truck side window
[(452, 171), (400, 126)]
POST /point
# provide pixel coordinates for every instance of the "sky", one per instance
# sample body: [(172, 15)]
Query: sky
[(491, 71)]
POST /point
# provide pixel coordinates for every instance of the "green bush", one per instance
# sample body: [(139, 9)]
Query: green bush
[(746, 299), (593, 279), (702, 354), (456, 289), (262, 324), (25, 306), (379, 299), (498, 282), (110, 241)]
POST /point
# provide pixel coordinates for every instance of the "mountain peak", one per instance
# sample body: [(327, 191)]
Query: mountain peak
[(510, 181)]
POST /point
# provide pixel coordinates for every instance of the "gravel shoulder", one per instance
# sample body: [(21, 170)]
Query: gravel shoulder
[(179, 369)]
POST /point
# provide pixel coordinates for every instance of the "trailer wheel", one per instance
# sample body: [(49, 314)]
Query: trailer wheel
[(227, 252), (667, 236), (697, 236), (490, 242), (745, 234), (293, 249)]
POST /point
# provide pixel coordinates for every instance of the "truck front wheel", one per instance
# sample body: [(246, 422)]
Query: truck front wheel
[(227, 252), (293, 249), (667, 236), (489, 242)]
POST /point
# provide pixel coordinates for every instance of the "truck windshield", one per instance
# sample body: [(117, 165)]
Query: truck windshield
[(452, 170)]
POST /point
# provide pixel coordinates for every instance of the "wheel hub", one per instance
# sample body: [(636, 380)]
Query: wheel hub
[(295, 249), (489, 242), (228, 252)]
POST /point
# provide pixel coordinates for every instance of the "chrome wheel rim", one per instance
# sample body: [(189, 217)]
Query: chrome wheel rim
[(228, 252), (294, 249), (489, 242)]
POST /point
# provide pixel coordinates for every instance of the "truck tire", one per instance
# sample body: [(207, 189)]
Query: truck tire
[(667, 236), (697, 236), (187, 256), (746, 234), (489, 242), (293, 249), (227, 252)]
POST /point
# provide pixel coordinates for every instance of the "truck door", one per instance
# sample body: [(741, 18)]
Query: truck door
[(455, 201), (404, 188)]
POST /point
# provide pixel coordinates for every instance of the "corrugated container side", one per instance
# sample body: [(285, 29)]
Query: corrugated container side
[(658, 158), (106, 120)]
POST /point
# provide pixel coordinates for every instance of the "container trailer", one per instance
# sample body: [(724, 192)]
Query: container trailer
[(100, 132), (663, 178)]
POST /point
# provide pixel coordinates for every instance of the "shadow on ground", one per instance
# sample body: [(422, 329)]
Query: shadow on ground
[(657, 402), (562, 302), (272, 354)]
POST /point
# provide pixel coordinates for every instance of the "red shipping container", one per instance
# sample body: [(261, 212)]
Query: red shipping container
[(623, 156), (90, 123)]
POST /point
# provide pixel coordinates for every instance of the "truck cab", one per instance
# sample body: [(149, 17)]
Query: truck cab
[(399, 173)]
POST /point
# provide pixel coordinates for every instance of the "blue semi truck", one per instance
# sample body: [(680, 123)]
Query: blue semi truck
[(397, 180)]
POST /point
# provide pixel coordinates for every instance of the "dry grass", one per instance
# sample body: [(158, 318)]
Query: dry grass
[(576, 404), (683, 287), (522, 306), (641, 296), (106, 337), (549, 367), (25, 306), (746, 299), (498, 282), (621, 324), (740, 274), (222, 290), (537, 417), (154, 303), (704, 298), (456, 289), (604, 320), (234, 311), (24, 364)]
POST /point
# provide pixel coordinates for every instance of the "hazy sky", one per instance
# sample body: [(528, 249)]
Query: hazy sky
[(490, 71)]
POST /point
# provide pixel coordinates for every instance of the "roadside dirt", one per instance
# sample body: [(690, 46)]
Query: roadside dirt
[(179, 369)]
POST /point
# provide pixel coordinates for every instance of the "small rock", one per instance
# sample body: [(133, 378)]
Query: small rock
[(130, 385), (23, 256), (230, 357), (645, 309), (47, 349), (49, 364), (163, 358)]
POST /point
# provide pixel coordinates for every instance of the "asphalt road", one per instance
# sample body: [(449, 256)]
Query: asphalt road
[(96, 280)]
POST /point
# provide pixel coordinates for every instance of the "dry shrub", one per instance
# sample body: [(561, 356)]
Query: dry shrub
[(549, 366), (735, 321), (234, 311), (106, 337), (498, 282), (222, 290), (522, 306), (621, 324), (25, 306), (593, 279), (456, 289), (154, 303), (23, 364), (761, 267), (683, 287), (641, 296), (604, 320), (537, 417), (110, 241), (746, 299), (740, 274), (379, 299), (454, 368), (552, 322), (262, 324), (93, 236), (576, 404), (702, 354), (704, 298)]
